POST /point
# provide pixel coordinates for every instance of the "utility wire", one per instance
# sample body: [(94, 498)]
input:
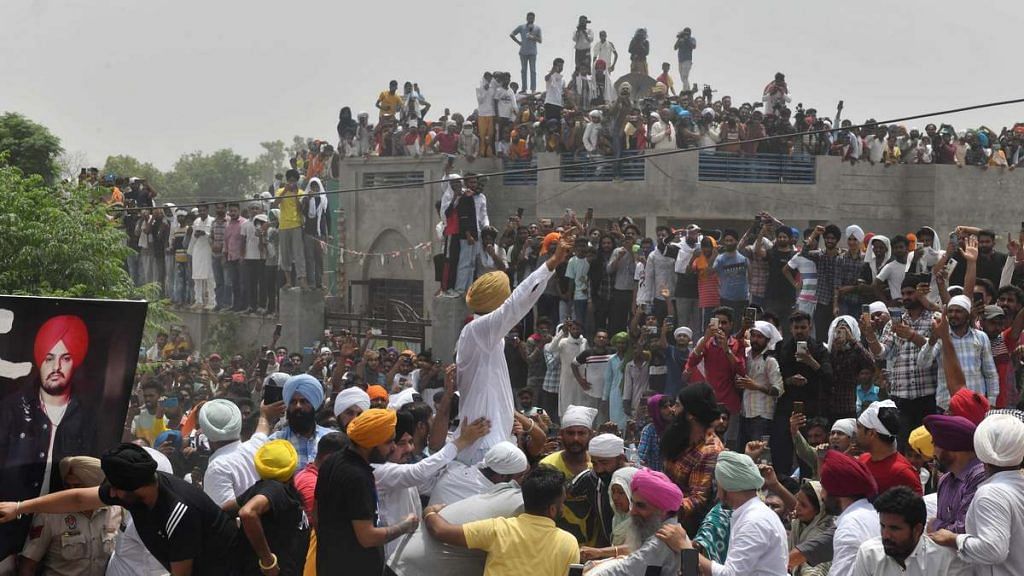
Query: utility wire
[(646, 155)]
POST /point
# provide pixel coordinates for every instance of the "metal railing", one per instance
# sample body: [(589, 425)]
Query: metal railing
[(574, 168), (759, 168), (411, 178), (522, 178)]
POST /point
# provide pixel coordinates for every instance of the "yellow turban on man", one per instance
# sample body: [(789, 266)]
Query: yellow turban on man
[(277, 460), (86, 468), (921, 440), (488, 292), (373, 427)]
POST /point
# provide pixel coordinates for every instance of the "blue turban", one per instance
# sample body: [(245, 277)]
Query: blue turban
[(306, 385), (173, 435)]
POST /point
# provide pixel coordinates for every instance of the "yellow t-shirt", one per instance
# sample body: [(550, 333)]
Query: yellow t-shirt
[(290, 210), (390, 103), (555, 460), (526, 544)]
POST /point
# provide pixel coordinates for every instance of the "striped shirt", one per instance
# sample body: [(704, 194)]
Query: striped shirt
[(764, 370), (551, 377), (808, 278), (907, 380), (975, 354)]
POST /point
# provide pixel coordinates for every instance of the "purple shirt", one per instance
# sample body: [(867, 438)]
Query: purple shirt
[(234, 242), (955, 495)]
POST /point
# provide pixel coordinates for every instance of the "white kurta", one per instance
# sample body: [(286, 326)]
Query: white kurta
[(757, 543), (202, 249), (856, 525), (567, 349), (459, 482), (994, 524), (484, 386)]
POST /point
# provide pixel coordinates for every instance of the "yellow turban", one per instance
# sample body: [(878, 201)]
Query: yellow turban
[(921, 440), (85, 468), (488, 292), (277, 460), (373, 427)]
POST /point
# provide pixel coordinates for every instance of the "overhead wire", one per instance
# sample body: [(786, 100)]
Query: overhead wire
[(648, 154)]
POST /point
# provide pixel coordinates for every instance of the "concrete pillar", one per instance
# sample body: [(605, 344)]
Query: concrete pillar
[(449, 314), (301, 318)]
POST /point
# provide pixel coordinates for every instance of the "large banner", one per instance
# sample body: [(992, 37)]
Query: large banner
[(66, 371)]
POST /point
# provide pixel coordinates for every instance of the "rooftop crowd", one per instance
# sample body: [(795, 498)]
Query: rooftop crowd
[(758, 401)]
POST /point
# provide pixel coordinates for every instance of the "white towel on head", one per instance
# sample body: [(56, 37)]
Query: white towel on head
[(578, 416)]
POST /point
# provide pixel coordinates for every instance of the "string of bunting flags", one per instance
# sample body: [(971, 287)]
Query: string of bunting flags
[(408, 255)]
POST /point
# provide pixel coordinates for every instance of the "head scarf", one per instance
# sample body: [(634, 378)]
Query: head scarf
[(505, 458), (855, 231), (169, 435), (869, 417), (623, 478), (162, 463), (877, 306), (396, 401), (316, 209), (85, 468), (488, 292), (620, 338), (277, 460), (220, 420), (736, 472), (578, 416), (921, 440), (850, 322), (657, 490), (999, 441), (349, 397), (847, 426), (875, 268), (960, 301), (606, 446), (969, 404), (128, 467), (654, 413), (306, 386), (953, 433), (68, 329), (769, 331), (682, 330), (822, 521), (376, 392), (373, 427), (845, 476)]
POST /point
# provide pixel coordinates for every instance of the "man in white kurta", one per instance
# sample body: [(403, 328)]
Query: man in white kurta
[(484, 386), (201, 248)]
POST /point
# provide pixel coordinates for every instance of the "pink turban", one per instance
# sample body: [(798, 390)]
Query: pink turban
[(69, 329), (657, 490)]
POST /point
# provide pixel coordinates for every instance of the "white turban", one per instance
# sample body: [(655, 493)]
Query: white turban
[(578, 416), (961, 301), (869, 417), (769, 331), (220, 420), (683, 330), (846, 426), (505, 458), (162, 463), (606, 446), (349, 397), (999, 441), (877, 306), (325, 350), (396, 401), (856, 232)]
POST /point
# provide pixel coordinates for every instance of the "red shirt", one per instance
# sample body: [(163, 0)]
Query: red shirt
[(893, 470), (305, 483), (719, 373)]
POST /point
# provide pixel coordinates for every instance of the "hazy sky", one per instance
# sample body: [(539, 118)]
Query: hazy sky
[(159, 78)]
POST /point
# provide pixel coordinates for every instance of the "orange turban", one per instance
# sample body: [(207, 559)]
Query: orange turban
[(377, 392), (373, 427), (488, 292), (68, 329), (550, 240)]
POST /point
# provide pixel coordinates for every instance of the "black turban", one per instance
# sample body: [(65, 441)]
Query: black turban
[(128, 467)]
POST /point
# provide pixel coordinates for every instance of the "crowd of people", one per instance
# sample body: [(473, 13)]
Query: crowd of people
[(871, 430)]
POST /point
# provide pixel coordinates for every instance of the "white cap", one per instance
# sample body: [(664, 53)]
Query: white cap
[(606, 446)]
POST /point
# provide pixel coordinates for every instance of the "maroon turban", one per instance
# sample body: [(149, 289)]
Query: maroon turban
[(954, 433), (845, 476), (69, 329), (969, 404)]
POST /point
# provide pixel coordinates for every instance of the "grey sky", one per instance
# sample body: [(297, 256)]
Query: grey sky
[(159, 78)]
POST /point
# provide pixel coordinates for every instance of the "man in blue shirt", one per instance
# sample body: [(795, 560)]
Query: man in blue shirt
[(529, 37), (303, 395), (731, 267)]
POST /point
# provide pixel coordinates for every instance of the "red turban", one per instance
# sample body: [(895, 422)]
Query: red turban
[(69, 329), (969, 404), (845, 476)]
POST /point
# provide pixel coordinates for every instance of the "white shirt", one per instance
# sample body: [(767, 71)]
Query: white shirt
[(398, 487), (892, 274), (927, 559), (591, 137), (507, 105), (856, 525), (484, 385), (604, 51), (130, 556), (583, 38), (232, 469), (553, 95), (757, 543), (458, 482), (252, 241), (994, 524), (485, 98)]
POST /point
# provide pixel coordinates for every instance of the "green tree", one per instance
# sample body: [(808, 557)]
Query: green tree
[(272, 160), (218, 176), (129, 166), (29, 146)]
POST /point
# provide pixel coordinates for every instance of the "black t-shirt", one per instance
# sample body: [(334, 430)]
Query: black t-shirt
[(778, 287), (285, 527), (345, 491), (185, 524)]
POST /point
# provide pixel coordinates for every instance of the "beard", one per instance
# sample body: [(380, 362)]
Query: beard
[(646, 528), (378, 456), (56, 383), (832, 506), (301, 421)]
